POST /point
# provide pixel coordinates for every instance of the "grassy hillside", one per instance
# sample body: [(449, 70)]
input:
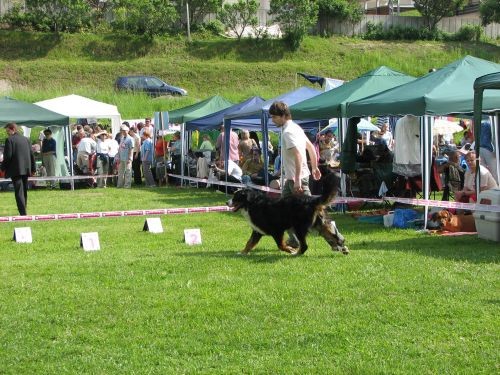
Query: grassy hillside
[(41, 66)]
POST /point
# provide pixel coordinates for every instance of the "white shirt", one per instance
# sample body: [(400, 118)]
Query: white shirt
[(103, 146), (234, 170), (87, 145), (487, 180), (294, 137), (113, 147), (407, 140)]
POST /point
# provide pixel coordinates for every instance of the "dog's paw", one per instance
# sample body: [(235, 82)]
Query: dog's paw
[(242, 252), (344, 250), (296, 253)]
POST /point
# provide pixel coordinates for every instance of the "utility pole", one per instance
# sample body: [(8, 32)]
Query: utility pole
[(188, 23)]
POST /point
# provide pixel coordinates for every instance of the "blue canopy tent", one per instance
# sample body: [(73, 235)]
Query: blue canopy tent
[(216, 119), (258, 116), (188, 113)]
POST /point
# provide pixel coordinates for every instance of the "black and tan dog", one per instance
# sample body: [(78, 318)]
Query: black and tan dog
[(298, 213)]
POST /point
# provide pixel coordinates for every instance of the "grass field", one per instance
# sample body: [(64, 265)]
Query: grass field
[(400, 303)]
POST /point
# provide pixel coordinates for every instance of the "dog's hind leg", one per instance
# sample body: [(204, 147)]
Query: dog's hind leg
[(280, 241), (328, 230), (252, 241), (301, 237)]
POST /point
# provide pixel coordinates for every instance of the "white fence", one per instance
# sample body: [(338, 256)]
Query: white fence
[(5, 5), (449, 25)]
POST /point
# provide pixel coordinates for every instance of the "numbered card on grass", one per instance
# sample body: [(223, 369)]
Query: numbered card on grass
[(192, 236), (90, 241), (23, 235), (153, 225)]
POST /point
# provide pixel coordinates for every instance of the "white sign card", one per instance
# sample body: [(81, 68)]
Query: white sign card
[(153, 225), (22, 235), (90, 241), (192, 236)]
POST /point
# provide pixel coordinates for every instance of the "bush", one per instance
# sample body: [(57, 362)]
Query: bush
[(468, 33), (211, 28), (17, 19), (376, 31)]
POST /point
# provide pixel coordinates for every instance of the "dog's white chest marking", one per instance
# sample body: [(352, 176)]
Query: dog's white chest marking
[(246, 215)]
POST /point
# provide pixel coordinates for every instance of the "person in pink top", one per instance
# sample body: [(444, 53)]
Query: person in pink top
[(233, 146)]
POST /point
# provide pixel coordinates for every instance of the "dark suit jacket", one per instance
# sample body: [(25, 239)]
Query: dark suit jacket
[(18, 158)]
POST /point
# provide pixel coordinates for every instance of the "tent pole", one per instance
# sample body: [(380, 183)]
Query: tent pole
[(265, 138), (494, 140), (183, 152), (426, 152), (478, 111), (227, 136), (343, 178), (70, 154)]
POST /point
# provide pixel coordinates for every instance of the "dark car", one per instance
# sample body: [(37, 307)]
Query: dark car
[(148, 84)]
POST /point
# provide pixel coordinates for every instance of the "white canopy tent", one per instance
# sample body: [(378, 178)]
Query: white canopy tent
[(76, 106)]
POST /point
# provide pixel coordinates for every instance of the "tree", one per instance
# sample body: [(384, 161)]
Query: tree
[(238, 16), (143, 17), (435, 10), (198, 9), (490, 12), (341, 9), (59, 15), (295, 17)]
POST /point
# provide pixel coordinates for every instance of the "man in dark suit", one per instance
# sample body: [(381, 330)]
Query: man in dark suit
[(18, 164)]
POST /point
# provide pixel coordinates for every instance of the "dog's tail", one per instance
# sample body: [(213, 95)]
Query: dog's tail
[(331, 183)]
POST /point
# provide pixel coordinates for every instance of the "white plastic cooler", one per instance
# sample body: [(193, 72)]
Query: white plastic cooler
[(487, 222)]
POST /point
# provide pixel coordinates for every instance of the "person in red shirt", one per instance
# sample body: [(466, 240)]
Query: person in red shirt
[(160, 153)]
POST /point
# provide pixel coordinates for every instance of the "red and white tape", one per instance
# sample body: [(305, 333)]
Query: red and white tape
[(95, 215), (189, 210)]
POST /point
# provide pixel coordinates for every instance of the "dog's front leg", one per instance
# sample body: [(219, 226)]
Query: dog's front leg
[(254, 239), (328, 230)]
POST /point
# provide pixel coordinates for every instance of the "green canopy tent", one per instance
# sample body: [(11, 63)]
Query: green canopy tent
[(192, 112), (197, 110), (27, 114), (31, 115), (333, 103), (448, 90)]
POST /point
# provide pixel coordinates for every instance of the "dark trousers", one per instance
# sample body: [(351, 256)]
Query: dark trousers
[(176, 165), (136, 168), (21, 193)]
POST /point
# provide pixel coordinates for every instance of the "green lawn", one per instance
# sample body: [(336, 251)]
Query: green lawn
[(400, 303)]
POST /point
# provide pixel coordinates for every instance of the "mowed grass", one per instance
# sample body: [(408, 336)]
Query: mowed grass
[(400, 303)]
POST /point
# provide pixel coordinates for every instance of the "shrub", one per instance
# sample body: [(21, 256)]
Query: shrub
[(215, 27), (376, 31), (469, 33)]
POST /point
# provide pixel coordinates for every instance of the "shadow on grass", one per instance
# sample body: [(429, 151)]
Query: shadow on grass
[(119, 47), (482, 50), (460, 248), (258, 255), (26, 45)]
